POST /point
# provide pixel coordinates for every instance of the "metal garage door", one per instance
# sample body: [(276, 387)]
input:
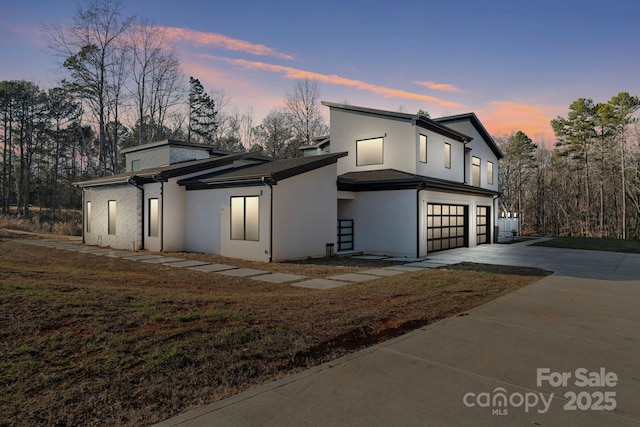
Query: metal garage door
[(446, 226), (482, 225)]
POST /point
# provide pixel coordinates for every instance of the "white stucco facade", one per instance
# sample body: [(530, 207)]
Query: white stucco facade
[(128, 221)]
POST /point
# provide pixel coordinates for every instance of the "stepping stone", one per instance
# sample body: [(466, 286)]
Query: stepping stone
[(382, 272), (374, 257), (162, 260), (278, 278), (443, 261), (119, 254), (212, 267), (353, 277), (405, 259), (243, 272), (187, 263), (142, 257), (319, 284), (428, 264)]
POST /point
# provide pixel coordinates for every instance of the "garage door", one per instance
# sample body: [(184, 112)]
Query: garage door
[(482, 224), (446, 226)]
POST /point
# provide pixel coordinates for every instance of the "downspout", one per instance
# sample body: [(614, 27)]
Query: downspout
[(141, 188), (421, 187), (269, 181), (84, 216), (494, 215)]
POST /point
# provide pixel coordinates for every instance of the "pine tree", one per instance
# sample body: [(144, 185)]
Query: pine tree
[(202, 114)]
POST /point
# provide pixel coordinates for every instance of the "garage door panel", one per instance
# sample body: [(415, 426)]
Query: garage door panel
[(446, 226)]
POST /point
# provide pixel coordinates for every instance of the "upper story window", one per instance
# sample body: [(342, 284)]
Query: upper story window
[(423, 148), (447, 155), (369, 152), (490, 173), (475, 171), (135, 165)]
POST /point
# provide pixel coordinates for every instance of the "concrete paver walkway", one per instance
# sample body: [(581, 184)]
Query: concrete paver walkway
[(501, 364)]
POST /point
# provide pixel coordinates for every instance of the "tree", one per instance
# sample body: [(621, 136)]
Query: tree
[(516, 169), (202, 114), (87, 49), (303, 106), (274, 134)]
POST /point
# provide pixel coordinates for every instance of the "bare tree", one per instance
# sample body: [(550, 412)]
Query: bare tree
[(303, 106)]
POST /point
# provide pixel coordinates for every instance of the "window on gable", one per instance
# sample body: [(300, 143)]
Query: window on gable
[(447, 155), (490, 173), (245, 218), (154, 216), (88, 217), (369, 152), (423, 148), (475, 171), (135, 165), (111, 220)]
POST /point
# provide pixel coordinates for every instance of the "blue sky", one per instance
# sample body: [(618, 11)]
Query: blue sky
[(516, 64)]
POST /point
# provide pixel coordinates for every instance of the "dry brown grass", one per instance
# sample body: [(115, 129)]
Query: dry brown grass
[(87, 339)]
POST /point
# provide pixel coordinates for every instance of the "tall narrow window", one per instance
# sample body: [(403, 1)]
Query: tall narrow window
[(88, 217), (135, 165), (369, 152), (153, 217), (111, 226), (423, 148), (245, 218), (489, 173), (475, 171), (447, 155)]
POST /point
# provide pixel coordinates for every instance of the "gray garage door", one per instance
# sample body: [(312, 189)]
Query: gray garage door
[(446, 226)]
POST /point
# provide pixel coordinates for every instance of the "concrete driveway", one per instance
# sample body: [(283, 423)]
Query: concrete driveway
[(562, 351)]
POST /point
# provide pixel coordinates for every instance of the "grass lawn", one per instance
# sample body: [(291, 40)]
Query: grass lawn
[(91, 340), (593, 243)]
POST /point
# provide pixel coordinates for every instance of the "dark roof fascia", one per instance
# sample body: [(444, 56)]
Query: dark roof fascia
[(456, 187), (475, 121), (220, 181), (421, 121), (119, 179)]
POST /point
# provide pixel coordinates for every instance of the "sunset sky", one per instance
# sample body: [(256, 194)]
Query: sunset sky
[(515, 64)]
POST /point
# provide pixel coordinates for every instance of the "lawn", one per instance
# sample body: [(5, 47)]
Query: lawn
[(593, 243), (90, 340)]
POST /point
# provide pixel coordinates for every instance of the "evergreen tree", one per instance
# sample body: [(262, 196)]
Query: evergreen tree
[(202, 114)]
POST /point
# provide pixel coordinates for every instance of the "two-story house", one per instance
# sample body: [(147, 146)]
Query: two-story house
[(413, 185)]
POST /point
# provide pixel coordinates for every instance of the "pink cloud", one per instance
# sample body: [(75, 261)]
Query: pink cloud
[(220, 40), (439, 86), (505, 117), (297, 74)]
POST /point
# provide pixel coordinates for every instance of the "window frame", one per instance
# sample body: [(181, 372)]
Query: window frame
[(111, 217), (422, 148), (254, 234), (447, 155), (489, 173), (476, 177), (135, 162), (155, 230), (359, 150)]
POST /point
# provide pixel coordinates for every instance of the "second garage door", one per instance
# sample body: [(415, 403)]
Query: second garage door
[(446, 226)]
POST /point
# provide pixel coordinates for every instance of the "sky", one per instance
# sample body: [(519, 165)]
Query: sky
[(516, 65)]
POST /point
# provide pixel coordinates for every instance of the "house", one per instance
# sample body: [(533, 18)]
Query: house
[(382, 183), (176, 196), (413, 185)]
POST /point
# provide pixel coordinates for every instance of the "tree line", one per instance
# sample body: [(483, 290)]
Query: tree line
[(124, 87), (588, 184)]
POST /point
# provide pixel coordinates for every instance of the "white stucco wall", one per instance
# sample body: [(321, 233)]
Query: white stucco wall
[(173, 216), (305, 214), (150, 158), (435, 165), (399, 140), (384, 221), (128, 216), (153, 190)]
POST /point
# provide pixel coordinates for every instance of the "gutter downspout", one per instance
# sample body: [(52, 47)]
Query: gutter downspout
[(493, 218), (269, 181), (141, 188), (84, 216), (420, 188)]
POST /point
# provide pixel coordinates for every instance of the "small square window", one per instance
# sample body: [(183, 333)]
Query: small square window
[(369, 152), (135, 165)]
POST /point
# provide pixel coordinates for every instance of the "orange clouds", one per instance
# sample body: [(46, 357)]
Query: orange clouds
[(296, 74), (505, 117), (220, 40), (439, 86)]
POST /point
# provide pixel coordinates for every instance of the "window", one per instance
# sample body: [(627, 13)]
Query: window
[(423, 148), (88, 217), (475, 171), (447, 155), (369, 152), (245, 218), (489, 173), (135, 165), (153, 217), (111, 226)]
